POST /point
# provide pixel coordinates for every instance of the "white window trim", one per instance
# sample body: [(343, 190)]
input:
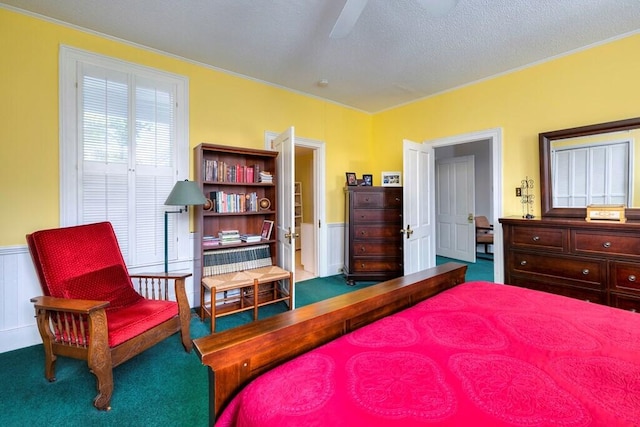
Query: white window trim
[(69, 57)]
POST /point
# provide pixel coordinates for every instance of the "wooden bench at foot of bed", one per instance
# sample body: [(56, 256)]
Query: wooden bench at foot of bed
[(238, 355)]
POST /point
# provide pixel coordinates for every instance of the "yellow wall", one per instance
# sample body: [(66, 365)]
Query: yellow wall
[(592, 86), (223, 108)]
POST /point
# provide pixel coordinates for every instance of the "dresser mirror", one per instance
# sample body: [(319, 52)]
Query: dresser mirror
[(595, 164)]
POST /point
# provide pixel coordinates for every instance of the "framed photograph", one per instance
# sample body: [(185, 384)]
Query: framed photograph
[(267, 228), (367, 180), (351, 178), (391, 179)]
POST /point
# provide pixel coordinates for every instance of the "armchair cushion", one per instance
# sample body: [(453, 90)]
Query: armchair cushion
[(130, 321), (107, 284)]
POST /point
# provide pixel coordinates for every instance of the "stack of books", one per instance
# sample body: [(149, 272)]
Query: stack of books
[(266, 176), (229, 237), (250, 238), (208, 241)]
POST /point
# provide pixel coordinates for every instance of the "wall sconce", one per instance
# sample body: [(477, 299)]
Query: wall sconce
[(185, 193)]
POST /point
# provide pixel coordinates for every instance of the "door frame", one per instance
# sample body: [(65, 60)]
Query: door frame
[(319, 196), (495, 137)]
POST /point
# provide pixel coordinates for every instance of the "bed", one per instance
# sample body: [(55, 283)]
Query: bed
[(428, 349)]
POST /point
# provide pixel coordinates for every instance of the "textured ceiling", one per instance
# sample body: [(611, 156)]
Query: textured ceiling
[(396, 53)]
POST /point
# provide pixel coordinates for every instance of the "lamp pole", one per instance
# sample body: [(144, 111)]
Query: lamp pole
[(166, 239)]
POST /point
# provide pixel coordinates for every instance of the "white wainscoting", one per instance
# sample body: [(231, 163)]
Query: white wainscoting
[(335, 248), (19, 283)]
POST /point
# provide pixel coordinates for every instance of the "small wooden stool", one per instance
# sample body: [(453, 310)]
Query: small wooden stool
[(250, 295)]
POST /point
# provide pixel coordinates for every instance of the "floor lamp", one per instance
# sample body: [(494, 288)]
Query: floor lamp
[(185, 193)]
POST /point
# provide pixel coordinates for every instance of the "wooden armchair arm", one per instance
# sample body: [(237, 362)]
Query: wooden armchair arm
[(80, 306)]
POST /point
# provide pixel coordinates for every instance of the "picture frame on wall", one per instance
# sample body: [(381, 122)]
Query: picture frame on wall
[(267, 228), (391, 179), (351, 178), (367, 180)]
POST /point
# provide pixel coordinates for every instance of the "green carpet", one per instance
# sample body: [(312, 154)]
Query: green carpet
[(164, 386)]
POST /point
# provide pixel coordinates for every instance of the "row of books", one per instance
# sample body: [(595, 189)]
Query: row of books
[(229, 260), (223, 202), (221, 171)]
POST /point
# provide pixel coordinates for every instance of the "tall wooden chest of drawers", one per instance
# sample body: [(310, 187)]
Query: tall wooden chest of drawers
[(598, 262), (373, 241)]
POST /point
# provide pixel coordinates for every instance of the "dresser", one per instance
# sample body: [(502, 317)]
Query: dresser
[(373, 239), (597, 262)]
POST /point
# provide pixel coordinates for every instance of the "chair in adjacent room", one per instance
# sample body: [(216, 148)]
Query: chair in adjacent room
[(93, 309), (484, 233)]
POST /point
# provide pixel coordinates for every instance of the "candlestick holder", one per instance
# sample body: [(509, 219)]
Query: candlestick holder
[(527, 198)]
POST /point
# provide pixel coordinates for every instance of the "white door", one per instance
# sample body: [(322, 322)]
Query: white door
[(419, 242), (455, 195), (284, 145)]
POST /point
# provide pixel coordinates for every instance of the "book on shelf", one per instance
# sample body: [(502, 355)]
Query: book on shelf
[(208, 241), (229, 237), (266, 177), (250, 238)]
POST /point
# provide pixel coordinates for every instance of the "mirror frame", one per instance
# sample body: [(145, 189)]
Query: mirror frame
[(546, 192)]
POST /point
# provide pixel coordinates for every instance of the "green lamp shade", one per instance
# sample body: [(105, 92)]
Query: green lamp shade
[(185, 193)]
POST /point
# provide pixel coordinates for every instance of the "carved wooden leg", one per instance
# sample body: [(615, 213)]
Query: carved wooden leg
[(184, 311), (47, 342), (99, 359)]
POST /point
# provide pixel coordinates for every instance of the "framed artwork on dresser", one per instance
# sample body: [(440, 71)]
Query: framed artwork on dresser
[(351, 178), (391, 179)]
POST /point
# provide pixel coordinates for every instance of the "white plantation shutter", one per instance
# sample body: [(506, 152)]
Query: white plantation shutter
[(128, 138)]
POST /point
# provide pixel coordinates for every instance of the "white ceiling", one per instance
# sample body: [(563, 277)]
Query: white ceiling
[(396, 53)]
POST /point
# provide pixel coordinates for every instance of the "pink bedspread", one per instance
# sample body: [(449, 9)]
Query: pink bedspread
[(479, 354)]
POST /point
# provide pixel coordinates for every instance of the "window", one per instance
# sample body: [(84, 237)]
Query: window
[(123, 146)]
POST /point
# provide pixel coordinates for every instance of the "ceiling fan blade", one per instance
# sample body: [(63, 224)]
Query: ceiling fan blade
[(348, 18), (438, 8)]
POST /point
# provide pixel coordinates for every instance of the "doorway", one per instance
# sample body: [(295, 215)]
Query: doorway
[(486, 146), (304, 213), (309, 201)]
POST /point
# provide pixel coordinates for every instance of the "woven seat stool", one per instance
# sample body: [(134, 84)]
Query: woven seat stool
[(253, 288)]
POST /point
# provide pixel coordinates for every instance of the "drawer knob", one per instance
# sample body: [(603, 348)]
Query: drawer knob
[(363, 232), (536, 238), (633, 310), (523, 262), (585, 271), (631, 278), (362, 249), (397, 199), (606, 245), (362, 265)]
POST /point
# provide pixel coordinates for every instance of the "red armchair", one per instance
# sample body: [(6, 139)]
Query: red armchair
[(91, 310)]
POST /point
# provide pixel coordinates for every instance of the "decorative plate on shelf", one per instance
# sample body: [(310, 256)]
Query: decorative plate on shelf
[(264, 203)]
